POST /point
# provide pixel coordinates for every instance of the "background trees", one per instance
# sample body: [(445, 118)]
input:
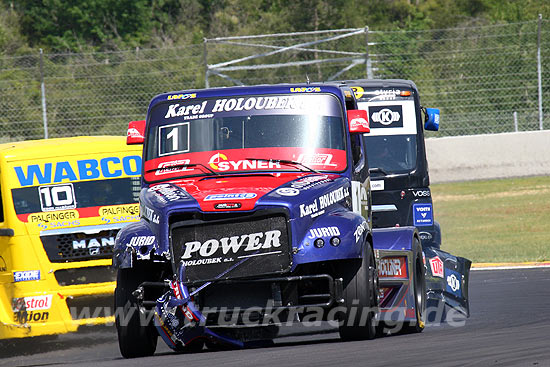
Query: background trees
[(80, 25)]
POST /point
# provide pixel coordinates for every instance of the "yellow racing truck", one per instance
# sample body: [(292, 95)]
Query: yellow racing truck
[(62, 202)]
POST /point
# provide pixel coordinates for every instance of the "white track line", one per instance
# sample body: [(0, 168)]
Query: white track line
[(511, 267)]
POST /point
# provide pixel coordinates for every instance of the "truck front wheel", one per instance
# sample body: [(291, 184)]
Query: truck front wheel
[(360, 299), (419, 290), (137, 336)]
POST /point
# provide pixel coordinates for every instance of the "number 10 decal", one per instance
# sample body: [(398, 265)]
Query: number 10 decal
[(57, 197)]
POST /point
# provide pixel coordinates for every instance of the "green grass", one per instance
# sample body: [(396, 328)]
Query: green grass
[(505, 220)]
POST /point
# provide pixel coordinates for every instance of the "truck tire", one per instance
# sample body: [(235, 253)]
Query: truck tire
[(360, 296), (134, 339), (419, 272)]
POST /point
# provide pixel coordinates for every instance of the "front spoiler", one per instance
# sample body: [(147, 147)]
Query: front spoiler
[(180, 322), (447, 286)]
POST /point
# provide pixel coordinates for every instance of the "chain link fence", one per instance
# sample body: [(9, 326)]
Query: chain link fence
[(485, 79)]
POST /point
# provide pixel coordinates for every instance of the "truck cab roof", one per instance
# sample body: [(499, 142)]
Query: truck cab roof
[(333, 88), (61, 147)]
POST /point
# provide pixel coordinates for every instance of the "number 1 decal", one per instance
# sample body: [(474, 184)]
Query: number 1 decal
[(57, 197), (173, 139), (173, 135)]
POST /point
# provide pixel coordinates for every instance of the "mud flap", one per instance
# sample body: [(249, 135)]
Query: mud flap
[(447, 278), (395, 252)]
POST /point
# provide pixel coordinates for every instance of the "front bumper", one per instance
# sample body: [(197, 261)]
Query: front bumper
[(60, 310), (182, 316)]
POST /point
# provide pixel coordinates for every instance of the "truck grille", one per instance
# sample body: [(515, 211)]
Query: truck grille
[(88, 275), (232, 248), (79, 246), (91, 307)]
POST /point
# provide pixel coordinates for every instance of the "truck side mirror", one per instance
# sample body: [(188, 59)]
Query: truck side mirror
[(136, 132), (358, 121), (432, 119)]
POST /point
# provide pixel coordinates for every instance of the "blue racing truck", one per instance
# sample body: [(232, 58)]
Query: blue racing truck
[(256, 212)]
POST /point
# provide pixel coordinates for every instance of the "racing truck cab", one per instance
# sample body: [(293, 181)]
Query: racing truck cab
[(251, 197), (256, 211), (397, 155)]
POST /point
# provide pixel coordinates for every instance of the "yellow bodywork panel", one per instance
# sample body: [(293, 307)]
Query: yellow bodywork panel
[(62, 203)]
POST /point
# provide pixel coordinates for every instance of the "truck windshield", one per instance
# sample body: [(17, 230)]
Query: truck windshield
[(242, 134), (391, 154)]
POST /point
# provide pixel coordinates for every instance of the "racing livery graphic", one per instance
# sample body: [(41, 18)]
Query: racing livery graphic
[(256, 210), (62, 204)]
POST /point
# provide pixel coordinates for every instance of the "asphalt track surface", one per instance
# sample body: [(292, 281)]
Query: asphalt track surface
[(509, 326)]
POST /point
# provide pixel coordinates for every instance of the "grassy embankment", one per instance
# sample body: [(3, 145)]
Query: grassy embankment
[(504, 220)]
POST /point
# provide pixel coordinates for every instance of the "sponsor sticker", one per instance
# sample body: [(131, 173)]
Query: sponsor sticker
[(398, 118), (85, 169), (436, 264), (426, 236), (175, 166), (377, 185), (133, 133), (53, 217), (421, 193), (182, 96), (298, 102), (220, 162), (142, 241), (358, 91), (230, 245), (386, 116), (151, 215), (309, 182), (236, 196), (422, 215), (393, 267), (323, 232), (318, 206), (305, 89), (333, 197), (287, 191), (26, 275), (223, 206), (316, 159), (35, 303), (32, 316), (360, 229), (168, 192), (132, 209), (453, 282)]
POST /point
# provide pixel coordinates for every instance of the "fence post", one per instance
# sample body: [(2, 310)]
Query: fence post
[(515, 114), (43, 92), (539, 72), (205, 56), (368, 64)]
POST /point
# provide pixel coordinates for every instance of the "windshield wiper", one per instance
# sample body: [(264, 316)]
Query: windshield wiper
[(183, 165), (285, 161), (378, 170)]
